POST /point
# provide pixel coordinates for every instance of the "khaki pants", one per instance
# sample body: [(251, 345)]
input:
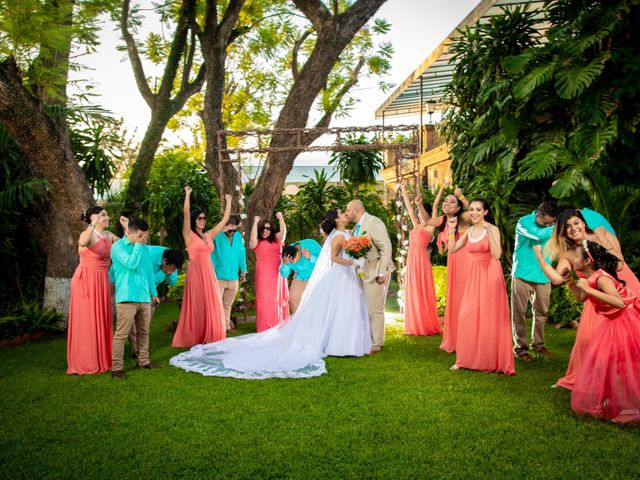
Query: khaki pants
[(376, 295), (228, 290), (523, 292), (127, 314), (296, 289), (133, 335)]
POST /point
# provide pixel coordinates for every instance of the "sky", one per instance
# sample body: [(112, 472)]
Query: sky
[(417, 28)]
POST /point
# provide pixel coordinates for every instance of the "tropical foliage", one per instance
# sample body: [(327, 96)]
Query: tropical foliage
[(533, 117), (358, 166)]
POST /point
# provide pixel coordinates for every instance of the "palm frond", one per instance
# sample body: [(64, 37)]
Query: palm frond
[(575, 80)]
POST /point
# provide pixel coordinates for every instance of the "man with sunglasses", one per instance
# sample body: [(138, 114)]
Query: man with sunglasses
[(229, 260)]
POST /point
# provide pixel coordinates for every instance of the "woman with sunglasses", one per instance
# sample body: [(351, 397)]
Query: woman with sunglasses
[(272, 293), (202, 318)]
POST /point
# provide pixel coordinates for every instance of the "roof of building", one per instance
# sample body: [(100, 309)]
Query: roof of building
[(436, 71)]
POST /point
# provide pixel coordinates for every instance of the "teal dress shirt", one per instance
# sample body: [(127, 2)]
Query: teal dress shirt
[(133, 272), (525, 263), (155, 255), (304, 266), (229, 257)]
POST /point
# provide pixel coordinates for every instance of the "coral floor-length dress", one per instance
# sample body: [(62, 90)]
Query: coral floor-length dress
[(590, 321), (272, 293), (484, 325), (457, 264), (607, 385), (90, 334), (202, 318), (420, 313)]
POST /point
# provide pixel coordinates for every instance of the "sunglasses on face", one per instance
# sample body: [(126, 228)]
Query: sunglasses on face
[(201, 217), (266, 228)]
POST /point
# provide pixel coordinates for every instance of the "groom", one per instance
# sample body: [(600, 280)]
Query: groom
[(377, 268)]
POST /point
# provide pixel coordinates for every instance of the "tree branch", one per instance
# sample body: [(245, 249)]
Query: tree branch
[(294, 53), (134, 57), (315, 11)]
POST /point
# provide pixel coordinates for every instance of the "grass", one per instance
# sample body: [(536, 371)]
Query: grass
[(399, 414)]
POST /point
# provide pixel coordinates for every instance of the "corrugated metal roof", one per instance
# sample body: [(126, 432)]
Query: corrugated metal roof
[(436, 71)]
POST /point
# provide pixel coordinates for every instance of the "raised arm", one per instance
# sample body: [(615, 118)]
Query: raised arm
[(253, 237), (225, 218), (84, 240), (494, 240), (408, 206), (436, 202), (453, 244), (551, 273), (607, 293), (282, 231), (460, 196), (336, 247), (186, 215)]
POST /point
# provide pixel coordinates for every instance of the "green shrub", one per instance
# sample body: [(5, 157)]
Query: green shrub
[(440, 282), (564, 307), (31, 317), (176, 291)]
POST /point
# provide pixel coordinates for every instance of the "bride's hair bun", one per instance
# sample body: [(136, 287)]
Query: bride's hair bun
[(86, 215), (329, 222)]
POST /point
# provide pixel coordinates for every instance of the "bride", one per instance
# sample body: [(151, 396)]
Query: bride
[(331, 320)]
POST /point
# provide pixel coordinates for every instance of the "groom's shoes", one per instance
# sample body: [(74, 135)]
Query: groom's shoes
[(374, 350), (149, 366)]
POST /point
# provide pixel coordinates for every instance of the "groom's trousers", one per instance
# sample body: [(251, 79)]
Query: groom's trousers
[(376, 295)]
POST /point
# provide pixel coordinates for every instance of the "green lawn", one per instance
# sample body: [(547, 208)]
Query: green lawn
[(399, 414)]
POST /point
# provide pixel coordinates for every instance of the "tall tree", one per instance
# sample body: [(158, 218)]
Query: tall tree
[(39, 37), (176, 85)]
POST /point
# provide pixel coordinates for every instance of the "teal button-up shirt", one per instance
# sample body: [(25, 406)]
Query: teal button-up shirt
[(595, 220), (155, 256), (304, 266), (528, 234), (133, 272), (229, 257)]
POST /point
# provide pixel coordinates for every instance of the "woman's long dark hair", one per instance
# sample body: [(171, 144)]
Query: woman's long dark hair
[(194, 217), (458, 216), (272, 236), (601, 259), (485, 205), (86, 215), (559, 244), (329, 222)]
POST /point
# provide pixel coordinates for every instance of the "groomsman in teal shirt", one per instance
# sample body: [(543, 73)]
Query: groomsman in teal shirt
[(528, 282), (135, 292), (229, 258), (300, 258), (166, 264)]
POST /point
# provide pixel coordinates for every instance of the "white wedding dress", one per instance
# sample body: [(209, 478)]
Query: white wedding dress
[(331, 320)]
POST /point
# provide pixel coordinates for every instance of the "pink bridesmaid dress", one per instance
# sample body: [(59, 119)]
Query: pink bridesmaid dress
[(202, 318), (607, 384), (420, 312), (484, 324), (90, 333), (272, 293), (457, 264), (590, 322)]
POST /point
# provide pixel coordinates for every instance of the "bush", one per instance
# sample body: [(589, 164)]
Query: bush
[(30, 318), (176, 291), (564, 307), (440, 282)]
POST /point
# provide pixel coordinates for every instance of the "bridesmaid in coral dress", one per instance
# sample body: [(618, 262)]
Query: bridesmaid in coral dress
[(484, 323), (420, 310), (202, 318), (607, 385), (272, 293), (90, 324), (457, 262), (569, 232)]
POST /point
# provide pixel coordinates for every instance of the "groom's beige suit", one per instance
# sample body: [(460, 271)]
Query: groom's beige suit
[(378, 262)]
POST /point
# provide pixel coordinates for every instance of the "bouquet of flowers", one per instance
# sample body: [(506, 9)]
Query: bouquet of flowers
[(357, 248)]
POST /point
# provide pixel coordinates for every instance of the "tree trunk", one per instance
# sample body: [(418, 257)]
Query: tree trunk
[(47, 147), (142, 165), (334, 34)]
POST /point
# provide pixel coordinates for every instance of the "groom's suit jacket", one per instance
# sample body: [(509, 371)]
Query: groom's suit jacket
[(378, 260)]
